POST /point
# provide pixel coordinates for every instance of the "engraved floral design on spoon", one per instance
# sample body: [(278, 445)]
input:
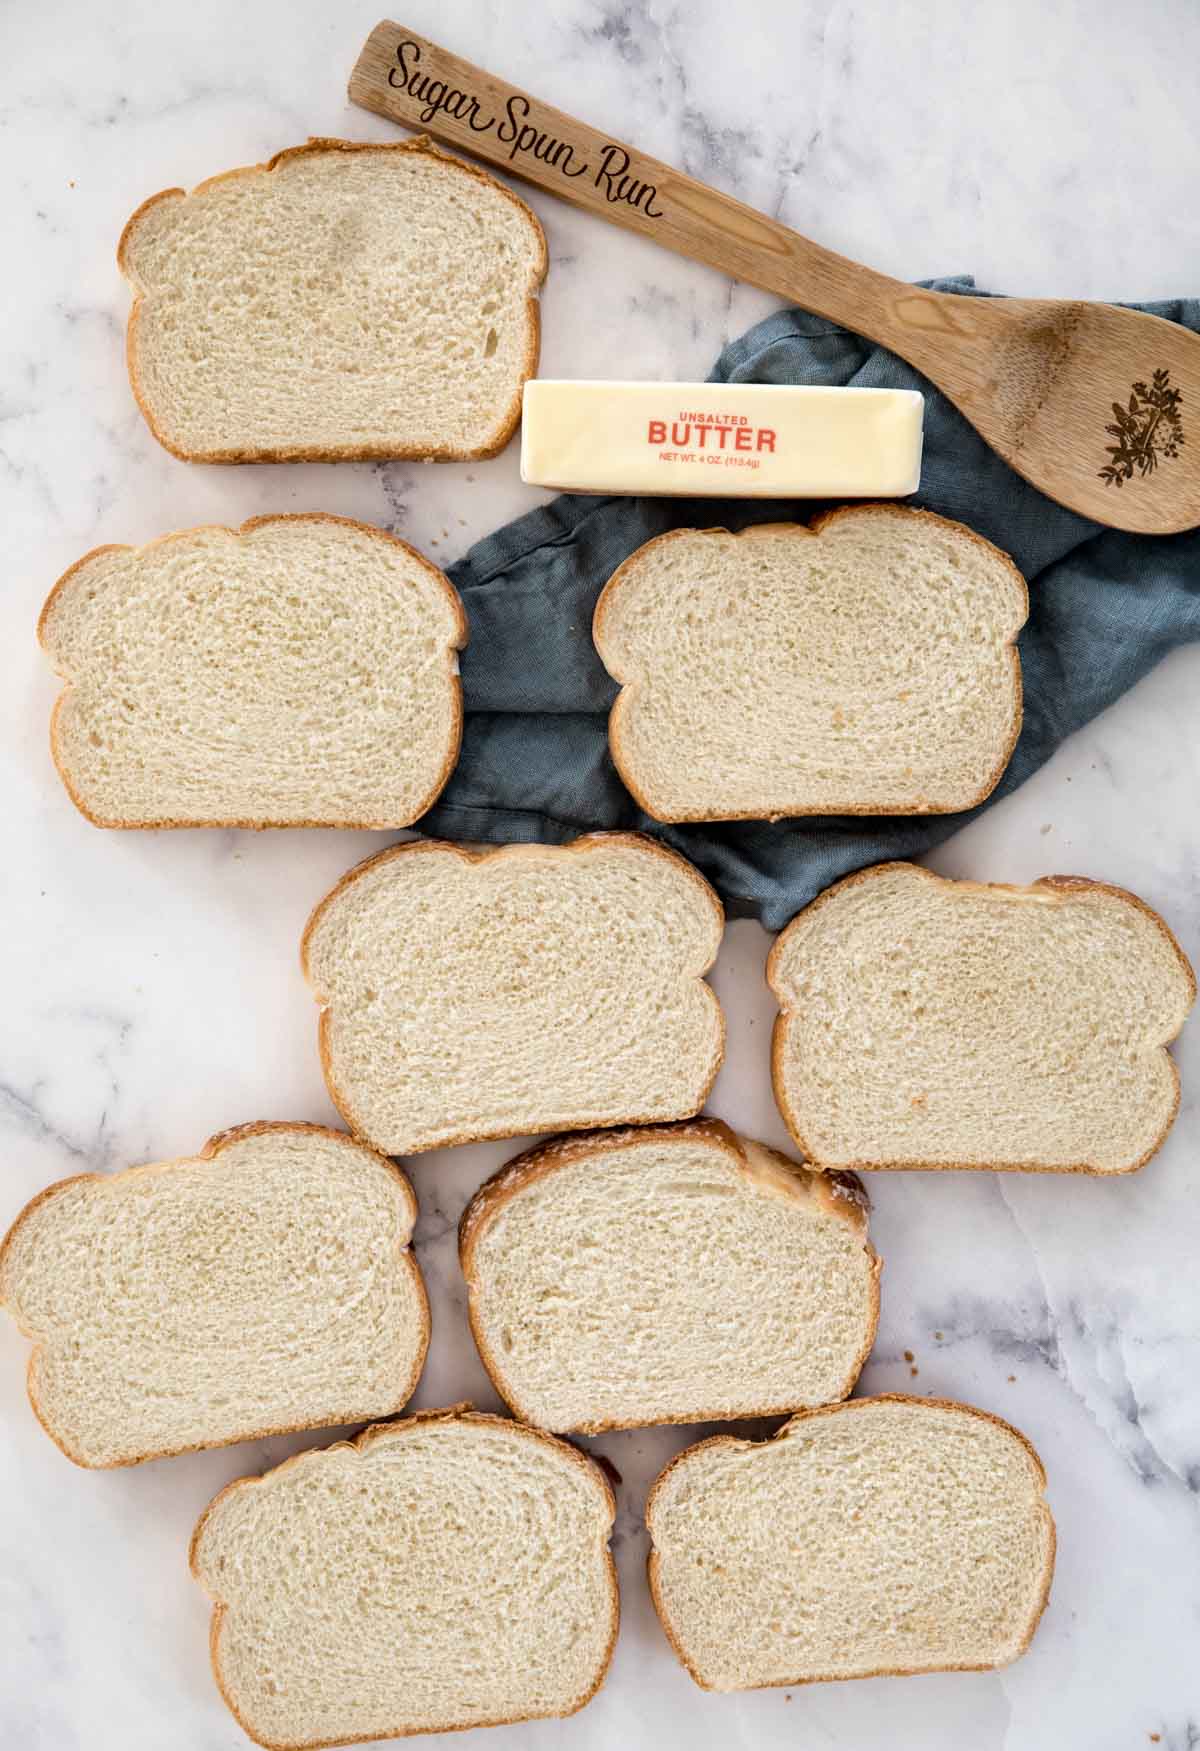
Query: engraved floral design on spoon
[(1148, 431)]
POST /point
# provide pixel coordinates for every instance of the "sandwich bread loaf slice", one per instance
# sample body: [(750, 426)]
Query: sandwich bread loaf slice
[(881, 1537), (468, 995), (934, 1023), (301, 671), (261, 1286), (449, 1570), (344, 301), (863, 664), (674, 1274)]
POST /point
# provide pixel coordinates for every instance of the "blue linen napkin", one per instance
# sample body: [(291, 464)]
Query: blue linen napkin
[(1104, 608)]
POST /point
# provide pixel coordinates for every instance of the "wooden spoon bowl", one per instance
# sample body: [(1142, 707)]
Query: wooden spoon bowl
[(1085, 401)]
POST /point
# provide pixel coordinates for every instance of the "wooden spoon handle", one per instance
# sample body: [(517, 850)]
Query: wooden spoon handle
[(412, 81)]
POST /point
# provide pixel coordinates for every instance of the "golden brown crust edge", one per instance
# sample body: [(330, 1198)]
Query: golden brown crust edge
[(167, 823), (652, 1560), (337, 1094), (362, 1441), (1060, 884), (209, 1152), (841, 1194), (620, 707), (348, 452)]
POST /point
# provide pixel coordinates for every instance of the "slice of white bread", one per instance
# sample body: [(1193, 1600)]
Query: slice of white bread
[(885, 1536), (343, 301), (676, 1274), (934, 1023), (261, 1286), (467, 995), (300, 671), (449, 1570), (865, 664)]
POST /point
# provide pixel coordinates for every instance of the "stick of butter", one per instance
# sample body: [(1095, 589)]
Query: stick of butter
[(722, 440)]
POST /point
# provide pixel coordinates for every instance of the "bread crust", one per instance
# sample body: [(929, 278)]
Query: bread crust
[(211, 1151), (416, 847), (463, 1413), (621, 706), (1047, 886), (314, 146), (841, 1194), (853, 1404), (454, 742)]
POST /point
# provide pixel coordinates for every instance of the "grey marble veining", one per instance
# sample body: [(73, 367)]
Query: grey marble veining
[(152, 987)]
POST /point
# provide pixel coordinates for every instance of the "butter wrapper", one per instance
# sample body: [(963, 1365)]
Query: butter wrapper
[(721, 440)]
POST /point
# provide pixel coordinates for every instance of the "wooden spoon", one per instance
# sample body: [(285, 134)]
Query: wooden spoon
[(1087, 401)]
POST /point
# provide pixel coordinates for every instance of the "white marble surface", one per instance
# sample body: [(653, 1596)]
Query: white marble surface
[(151, 987)]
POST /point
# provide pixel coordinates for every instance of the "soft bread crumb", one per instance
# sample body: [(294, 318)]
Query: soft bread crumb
[(1031, 1021), (666, 1275), (887, 1535), (535, 988), (343, 301), (449, 1570), (263, 1285), (300, 671), (865, 664)]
